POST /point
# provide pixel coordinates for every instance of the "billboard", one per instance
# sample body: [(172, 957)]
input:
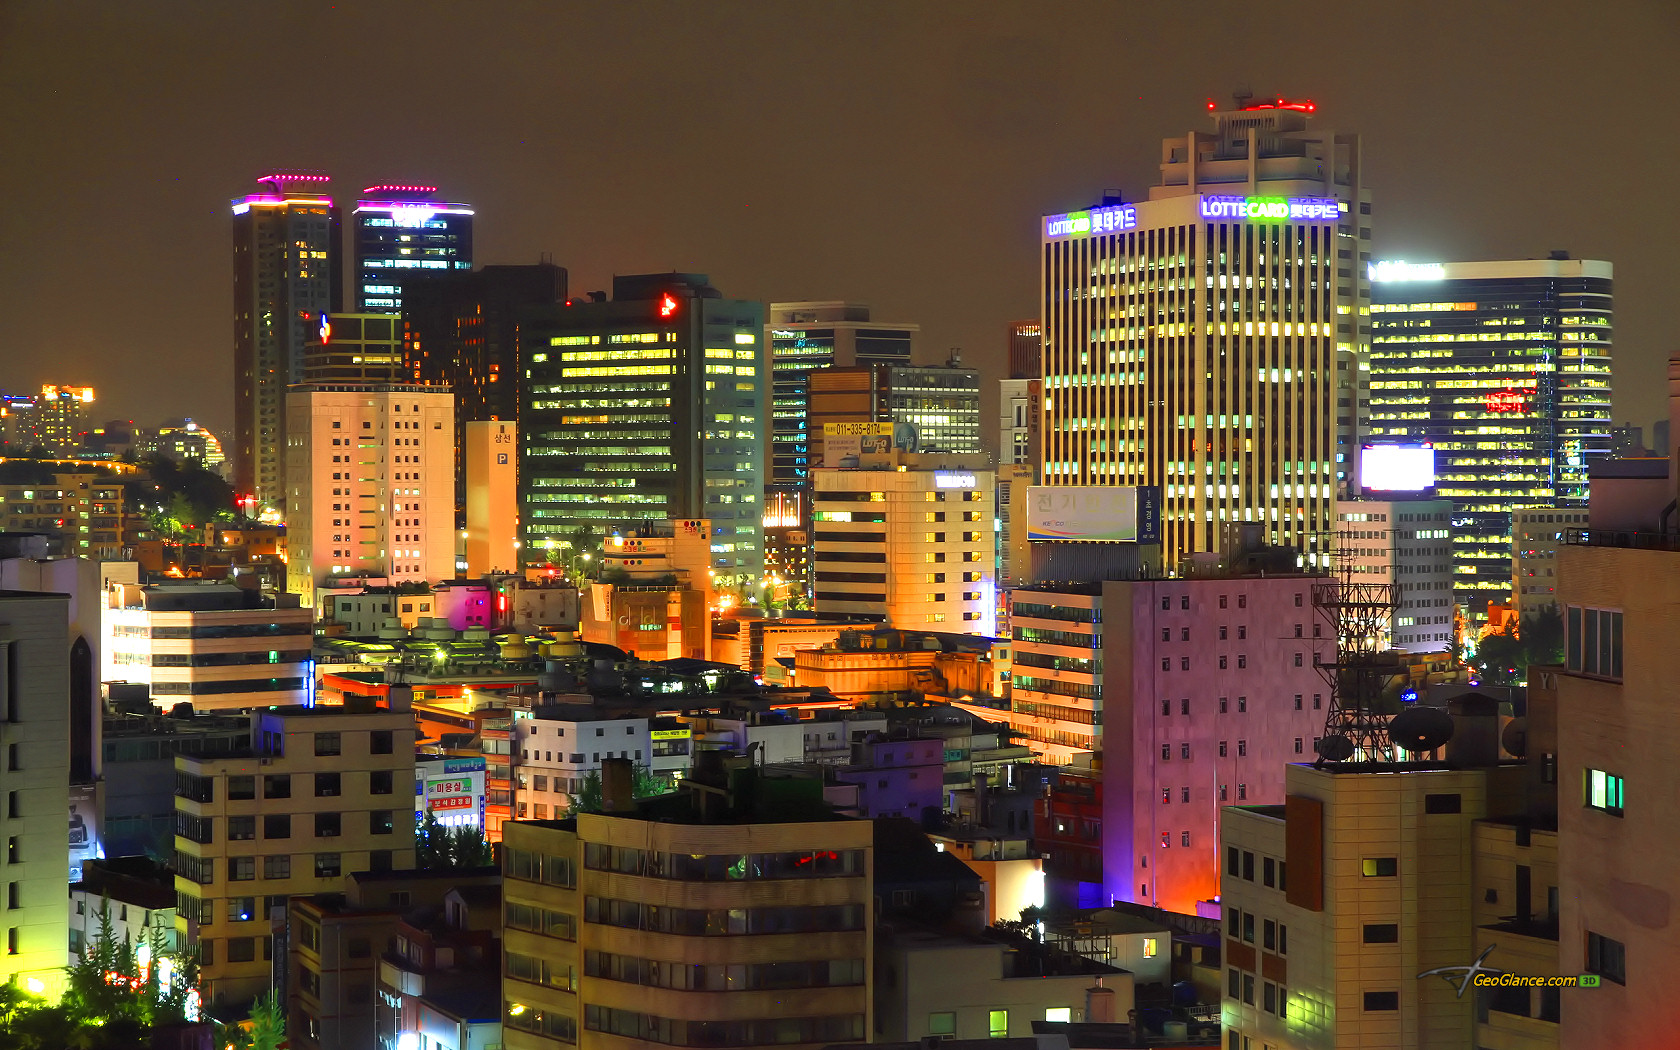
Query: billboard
[(1397, 468), (1094, 514), (843, 441)]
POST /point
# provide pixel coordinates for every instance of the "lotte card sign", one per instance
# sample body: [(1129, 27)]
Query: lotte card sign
[(1094, 514)]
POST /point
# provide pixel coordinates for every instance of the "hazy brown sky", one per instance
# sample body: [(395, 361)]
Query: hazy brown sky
[(895, 153)]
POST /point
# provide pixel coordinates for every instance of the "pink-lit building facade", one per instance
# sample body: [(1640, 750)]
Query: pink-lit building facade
[(1200, 691)]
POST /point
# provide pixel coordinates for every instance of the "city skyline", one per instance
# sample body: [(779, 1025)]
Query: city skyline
[(583, 188)]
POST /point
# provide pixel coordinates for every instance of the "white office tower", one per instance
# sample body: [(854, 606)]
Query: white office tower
[(370, 486), (1210, 340)]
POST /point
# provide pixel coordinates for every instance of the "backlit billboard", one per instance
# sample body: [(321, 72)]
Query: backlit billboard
[(1094, 514), (1397, 468)]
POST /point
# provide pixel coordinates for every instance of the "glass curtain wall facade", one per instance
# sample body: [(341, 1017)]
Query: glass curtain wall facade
[(646, 408), (1505, 368), (404, 232), (806, 337)]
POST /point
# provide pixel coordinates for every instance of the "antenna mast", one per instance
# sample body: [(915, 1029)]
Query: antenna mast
[(1360, 613)]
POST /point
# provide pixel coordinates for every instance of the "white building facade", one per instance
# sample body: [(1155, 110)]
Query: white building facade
[(370, 485)]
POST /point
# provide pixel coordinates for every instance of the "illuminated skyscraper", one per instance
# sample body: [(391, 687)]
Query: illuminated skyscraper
[(371, 493), (1208, 339), (807, 337), (285, 276), (1505, 368), (52, 421), (405, 232), (646, 408)]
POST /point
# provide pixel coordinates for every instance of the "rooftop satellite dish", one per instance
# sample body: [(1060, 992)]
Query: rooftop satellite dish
[(1515, 738), (1420, 729), (1335, 748)]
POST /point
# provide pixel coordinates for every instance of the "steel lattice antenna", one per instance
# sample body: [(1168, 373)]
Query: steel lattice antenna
[(1360, 614)]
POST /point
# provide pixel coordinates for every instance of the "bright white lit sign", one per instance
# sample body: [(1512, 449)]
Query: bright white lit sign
[(1397, 468), (412, 216), (1400, 270), (953, 481)]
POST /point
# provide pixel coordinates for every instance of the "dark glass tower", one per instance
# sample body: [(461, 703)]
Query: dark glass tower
[(807, 337), (1505, 368), (462, 330), (402, 233), (286, 267), (645, 408)]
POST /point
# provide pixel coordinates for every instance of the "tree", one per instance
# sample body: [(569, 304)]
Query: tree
[(1542, 636), (267, 1030), (110, 1001), (438, 848), (587, 797)]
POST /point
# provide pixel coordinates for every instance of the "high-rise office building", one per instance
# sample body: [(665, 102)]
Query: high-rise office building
[(369, 494), (35, 731), (355, 348), (52, 421), (1536, 535), (1208, 340), (1026, 350), (646, 408), (1504, 367), (1406, 544), (286, 274), (462, 330), (909, 541), (403, 232), (929, 408), (808, 337)]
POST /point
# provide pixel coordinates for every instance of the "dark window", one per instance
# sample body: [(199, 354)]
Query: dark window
[(328, 825), (380, 822), (1606, 957), (379, 782), (379, 742), (1382, 1000), (1381, 866), (277, 786), (326, 785), (241, 788), (1231, 862), (327, 744), (277, 825), (1445, 803), (1382, 933)]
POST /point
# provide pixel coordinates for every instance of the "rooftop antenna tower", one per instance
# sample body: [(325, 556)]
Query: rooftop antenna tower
[(1360, 614)]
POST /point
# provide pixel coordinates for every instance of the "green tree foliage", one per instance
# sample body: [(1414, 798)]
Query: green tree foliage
[(179, 497), (266, 1029), (108, 1003), (438, 848), (587, 798), (1504, 659)]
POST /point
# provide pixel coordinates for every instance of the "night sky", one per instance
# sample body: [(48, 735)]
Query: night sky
[(893, 153)]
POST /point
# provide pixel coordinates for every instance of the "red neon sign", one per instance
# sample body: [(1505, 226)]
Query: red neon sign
[(667, 305), (1509, 400)]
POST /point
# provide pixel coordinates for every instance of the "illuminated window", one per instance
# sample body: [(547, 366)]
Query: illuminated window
[(1604, 791)]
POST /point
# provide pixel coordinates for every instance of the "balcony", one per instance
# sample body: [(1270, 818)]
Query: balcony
[(395, 975)]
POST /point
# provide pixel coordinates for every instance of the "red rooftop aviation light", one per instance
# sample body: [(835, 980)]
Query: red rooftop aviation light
[(667, 305), (1302, 105), (280, 177)]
